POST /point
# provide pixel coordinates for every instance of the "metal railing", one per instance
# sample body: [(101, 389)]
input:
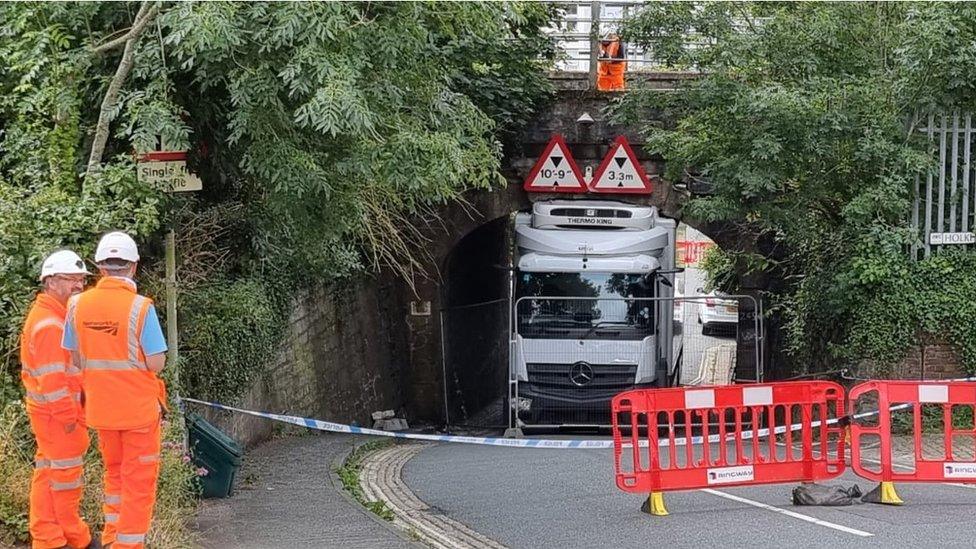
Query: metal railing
[(943, 212), (583, 23)]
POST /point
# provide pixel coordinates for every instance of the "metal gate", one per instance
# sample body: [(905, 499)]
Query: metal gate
[(943, 198), (474, 351), (569, 356)]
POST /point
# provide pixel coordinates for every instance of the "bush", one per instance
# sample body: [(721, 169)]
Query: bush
[(900, 303), (235, 328)]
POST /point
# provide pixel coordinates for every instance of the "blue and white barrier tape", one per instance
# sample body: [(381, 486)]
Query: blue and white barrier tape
[(343, 428), (485, 441), (519, 442)]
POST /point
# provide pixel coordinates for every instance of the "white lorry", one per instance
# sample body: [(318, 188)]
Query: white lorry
[(593, 309)]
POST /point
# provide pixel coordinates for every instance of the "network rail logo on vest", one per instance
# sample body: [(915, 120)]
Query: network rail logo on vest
[(106, 327)]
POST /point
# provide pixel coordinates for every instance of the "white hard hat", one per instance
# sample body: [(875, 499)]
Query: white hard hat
[(117, 245), (62, 262)]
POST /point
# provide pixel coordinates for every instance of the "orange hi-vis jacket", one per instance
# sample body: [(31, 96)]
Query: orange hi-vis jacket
[(53, 384), (121, 392)]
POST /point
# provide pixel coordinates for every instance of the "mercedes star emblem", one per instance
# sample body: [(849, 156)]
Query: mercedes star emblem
[(581, 374)]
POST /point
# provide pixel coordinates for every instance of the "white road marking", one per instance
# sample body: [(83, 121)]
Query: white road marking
[(793, 514)]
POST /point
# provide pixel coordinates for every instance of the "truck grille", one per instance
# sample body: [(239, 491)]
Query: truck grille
[(598, 212), (554, 379)]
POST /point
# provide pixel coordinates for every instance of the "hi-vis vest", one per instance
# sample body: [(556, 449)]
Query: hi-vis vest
[(120, 391), (614, 64), (53, 384)]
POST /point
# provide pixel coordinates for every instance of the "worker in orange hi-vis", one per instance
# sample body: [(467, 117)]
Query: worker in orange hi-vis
[(53, 399), (114, 334), (611, 65)]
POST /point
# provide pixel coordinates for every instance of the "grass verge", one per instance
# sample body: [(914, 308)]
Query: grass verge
[(349, 475)]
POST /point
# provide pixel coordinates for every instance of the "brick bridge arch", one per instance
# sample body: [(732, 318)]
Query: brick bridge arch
[(588, 144)]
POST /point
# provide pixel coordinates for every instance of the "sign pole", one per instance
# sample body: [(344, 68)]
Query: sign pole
[(167, 171), (172, 335)]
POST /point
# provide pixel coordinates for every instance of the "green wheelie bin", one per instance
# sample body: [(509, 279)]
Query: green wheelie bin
[(216, 452)]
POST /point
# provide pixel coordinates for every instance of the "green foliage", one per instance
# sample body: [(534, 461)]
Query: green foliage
[(346, 117), (16, 466), (911, 303), (322, 131), (349, 475), (804, 117), (719, 269), (381, 509), (235, 326)]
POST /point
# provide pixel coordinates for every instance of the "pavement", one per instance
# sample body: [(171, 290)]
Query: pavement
[(287, 495)]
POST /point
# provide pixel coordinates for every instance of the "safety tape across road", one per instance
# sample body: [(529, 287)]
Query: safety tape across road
[(582, 444), (333, 427)]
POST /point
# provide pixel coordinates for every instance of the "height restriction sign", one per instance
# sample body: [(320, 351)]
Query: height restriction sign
[(555, 171), (620, 172)]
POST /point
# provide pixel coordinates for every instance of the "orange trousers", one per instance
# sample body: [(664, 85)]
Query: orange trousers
[(57, 484), (610, 76), (131, 459)]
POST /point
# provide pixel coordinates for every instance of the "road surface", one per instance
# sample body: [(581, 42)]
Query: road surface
[(567, 498)]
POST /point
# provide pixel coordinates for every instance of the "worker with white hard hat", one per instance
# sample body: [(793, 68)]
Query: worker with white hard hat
[(53, 385), (115, 335)]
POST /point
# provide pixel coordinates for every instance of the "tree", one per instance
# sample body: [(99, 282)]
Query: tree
[(325, 132), (804, 117)]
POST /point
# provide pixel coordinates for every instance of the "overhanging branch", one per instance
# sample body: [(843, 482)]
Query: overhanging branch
[(110, 99), (144, 15)]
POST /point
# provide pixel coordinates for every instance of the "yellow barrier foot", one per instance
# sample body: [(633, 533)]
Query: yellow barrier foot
[(888, 494), (654, 505), (884, 493)]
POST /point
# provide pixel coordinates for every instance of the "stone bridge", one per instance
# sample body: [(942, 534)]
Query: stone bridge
[(467, 251), (380, 345)]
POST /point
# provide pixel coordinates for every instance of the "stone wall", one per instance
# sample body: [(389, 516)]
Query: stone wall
[(343, 357), (935, 361), (940, 362)]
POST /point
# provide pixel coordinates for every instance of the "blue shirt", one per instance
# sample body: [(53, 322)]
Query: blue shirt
[(152, 339)]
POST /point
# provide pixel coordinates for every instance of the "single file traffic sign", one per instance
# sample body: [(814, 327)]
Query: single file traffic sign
[(555, 171), (620, 172), (167, 170)]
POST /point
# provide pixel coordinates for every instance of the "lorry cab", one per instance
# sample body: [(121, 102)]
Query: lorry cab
[(593, 307)]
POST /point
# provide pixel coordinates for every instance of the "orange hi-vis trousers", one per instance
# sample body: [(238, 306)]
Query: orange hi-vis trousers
[(56, 484), (52, 387), (610, 76), (131, 460)]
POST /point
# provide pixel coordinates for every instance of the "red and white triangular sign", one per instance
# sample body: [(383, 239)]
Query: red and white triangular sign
[(555, 171), (620, 172)]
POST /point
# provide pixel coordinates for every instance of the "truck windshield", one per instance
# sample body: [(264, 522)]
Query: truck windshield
[(585, 305)]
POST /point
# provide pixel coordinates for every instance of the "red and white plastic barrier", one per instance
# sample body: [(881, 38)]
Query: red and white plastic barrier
[(913, 395), (665, 462), (787, 432)]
